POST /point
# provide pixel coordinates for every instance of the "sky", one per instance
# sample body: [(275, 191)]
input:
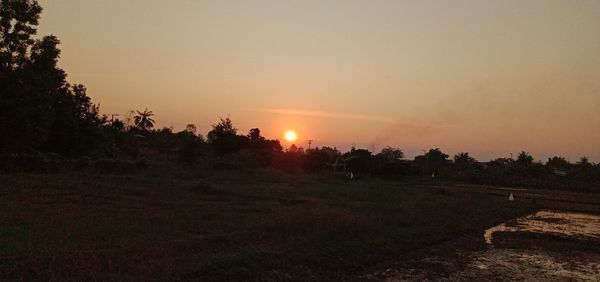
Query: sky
[(487, 77)]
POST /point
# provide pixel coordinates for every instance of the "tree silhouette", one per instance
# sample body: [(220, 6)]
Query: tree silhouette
[(191, 128), (436, 159), (389, 162), (465, 166), (584, 162), (143, 120), (557, 162), (358, 160), (38, 109), (254, 135), (18, 22), (583, 169), (389, 153), (319, 158), (223, 127), (463, 160), (524, 159), (224, 139)]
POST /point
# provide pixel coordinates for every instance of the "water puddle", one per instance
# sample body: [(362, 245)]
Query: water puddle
[(544, 246), (566, 245), (529, 265), (566, 224)]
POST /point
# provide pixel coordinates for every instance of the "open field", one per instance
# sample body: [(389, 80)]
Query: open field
[(166, 224)]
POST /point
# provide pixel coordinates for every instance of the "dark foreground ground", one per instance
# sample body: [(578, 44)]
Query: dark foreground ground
[(544, 246), (171, 224)]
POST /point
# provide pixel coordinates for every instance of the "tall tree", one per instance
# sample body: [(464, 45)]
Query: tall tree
[(38, 108), (463, 160), (18, 22), (524, 159), (143, 120), (433, 161), (224, 139)]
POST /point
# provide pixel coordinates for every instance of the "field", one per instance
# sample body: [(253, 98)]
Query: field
[(166, 223)]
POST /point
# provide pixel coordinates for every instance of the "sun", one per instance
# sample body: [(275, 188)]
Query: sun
[(290, 136)]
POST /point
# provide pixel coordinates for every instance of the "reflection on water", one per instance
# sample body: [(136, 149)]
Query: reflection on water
[(524, 264), (532, 265), (574, 225), (522, 253)]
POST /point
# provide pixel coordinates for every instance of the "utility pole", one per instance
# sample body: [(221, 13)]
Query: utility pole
[(309, 143)]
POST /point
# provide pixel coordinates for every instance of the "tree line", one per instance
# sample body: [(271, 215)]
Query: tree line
[(44, 119)]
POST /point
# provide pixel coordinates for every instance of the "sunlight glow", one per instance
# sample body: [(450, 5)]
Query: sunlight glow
[(290, 136)]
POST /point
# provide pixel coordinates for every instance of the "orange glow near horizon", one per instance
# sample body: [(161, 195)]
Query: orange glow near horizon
[(472, 76), (290, 136)]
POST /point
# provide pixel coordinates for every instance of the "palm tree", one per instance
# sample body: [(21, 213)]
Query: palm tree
[(143, 121)]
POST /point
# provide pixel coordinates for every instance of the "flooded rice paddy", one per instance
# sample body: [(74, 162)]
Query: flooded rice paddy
[(567, 224), (544, 246)]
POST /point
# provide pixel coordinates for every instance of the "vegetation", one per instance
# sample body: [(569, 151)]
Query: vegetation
[(166, 223), (39, 109), (44, 120), (85, 197), (143, 120)]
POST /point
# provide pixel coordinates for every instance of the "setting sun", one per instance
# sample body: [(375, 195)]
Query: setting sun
[(237, 127), (290, 136)]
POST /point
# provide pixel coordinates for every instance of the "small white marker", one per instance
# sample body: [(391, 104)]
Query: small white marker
[(511, 197)]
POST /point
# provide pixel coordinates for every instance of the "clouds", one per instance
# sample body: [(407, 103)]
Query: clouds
[(324, 114)]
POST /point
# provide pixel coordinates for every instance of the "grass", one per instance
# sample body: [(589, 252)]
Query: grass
[(171, 224)]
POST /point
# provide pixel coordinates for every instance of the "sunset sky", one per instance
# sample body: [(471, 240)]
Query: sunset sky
[(487, 77)]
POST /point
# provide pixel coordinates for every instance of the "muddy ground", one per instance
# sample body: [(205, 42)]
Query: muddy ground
[(545, 246)]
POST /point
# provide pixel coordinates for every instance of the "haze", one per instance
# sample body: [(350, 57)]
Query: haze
[(488, 77)]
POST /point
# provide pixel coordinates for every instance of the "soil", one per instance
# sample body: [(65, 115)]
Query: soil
[(545, 246)]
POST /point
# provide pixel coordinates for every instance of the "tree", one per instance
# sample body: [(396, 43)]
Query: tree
[(143, 120), (223, 127), (434, 161), (189, 145), (319, 158), (465, 166), (389, 153), (254, 135), (389, 162), (557, 163), (224, 139), (524, 166), (28, 77), (77, 126), (38, 108), (18, 22), (524, 159), (583, 169), (463, 160), (118, 125), (191, 128), (293, 149), (501, 162), (584, 163), (358, 160)]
